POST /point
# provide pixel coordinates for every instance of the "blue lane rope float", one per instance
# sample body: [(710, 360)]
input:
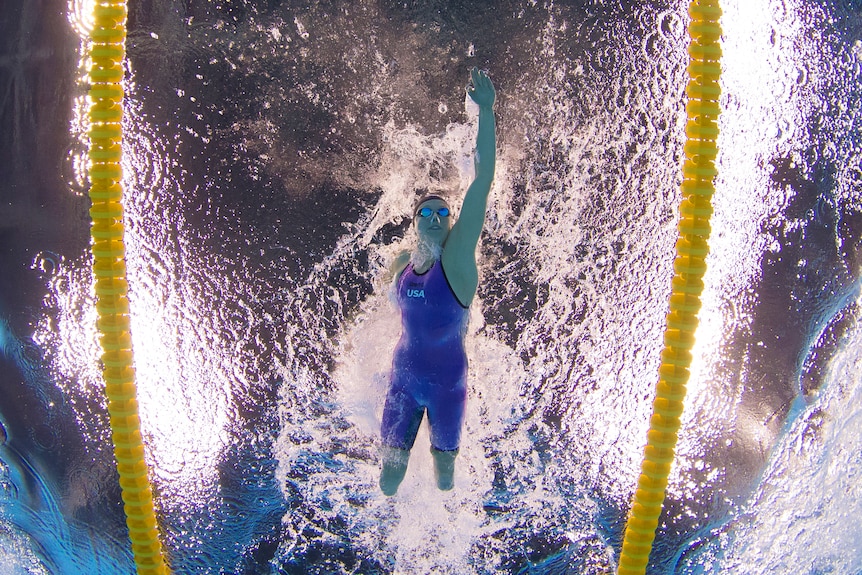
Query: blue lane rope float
[(692, 246), (107, 52)]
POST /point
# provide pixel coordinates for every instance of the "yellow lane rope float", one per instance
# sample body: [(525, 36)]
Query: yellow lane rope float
[(107, 51), (689, 267)]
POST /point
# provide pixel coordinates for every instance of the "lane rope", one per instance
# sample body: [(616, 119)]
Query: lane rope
[(699, 171), (107, 52)]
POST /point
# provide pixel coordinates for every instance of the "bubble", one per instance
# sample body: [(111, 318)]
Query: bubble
[(47, 262), (44, 436), (300, 29)]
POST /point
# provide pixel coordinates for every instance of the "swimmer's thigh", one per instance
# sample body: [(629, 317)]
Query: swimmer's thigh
[(446, 416), (402, 416)]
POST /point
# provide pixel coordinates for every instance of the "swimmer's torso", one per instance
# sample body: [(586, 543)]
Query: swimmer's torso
[(433, 323)]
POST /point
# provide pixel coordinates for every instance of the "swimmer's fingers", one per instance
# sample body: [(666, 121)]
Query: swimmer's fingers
[(482, 91)]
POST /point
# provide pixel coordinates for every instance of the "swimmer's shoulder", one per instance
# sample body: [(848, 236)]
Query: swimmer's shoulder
[(399, 264)]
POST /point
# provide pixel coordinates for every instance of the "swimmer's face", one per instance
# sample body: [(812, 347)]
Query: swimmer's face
[(435, 227)]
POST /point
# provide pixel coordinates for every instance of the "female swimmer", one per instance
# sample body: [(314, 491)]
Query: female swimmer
[(435, 285)]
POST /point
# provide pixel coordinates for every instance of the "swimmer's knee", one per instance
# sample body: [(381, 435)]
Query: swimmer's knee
[(394, 455), (444, 467)]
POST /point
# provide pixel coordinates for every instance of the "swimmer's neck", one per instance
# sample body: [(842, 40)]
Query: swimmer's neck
[(424, 256), (422, 265)]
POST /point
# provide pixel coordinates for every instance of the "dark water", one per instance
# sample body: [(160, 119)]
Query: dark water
[(273, 149)]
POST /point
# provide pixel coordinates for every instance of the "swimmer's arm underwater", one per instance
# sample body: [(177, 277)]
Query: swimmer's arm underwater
[(397, 266)]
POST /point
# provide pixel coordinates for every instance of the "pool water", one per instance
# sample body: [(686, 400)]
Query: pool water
[(273, 152)]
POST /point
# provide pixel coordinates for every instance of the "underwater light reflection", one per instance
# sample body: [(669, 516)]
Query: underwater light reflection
[(184, 379), (80, 14), (758, 77)]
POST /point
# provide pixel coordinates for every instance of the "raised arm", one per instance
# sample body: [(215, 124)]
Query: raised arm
[(459, 252)]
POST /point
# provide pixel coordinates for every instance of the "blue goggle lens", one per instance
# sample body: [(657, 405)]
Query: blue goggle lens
[(426, 212)]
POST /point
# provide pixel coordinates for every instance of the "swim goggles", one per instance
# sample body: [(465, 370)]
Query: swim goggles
[(426, 212)]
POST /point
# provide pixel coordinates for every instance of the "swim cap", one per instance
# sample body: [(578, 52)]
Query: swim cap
[(429, 196)]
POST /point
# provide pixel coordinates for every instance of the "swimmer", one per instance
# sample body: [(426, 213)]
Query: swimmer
[(435, 285)]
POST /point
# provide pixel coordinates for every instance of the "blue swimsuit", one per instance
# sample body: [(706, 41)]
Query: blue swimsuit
[(429, 367)]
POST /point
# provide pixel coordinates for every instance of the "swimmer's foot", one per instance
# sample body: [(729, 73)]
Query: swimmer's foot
[(394, 468), (444, 468)]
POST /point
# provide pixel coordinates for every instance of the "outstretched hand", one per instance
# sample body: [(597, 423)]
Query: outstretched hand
[(482, 92)]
